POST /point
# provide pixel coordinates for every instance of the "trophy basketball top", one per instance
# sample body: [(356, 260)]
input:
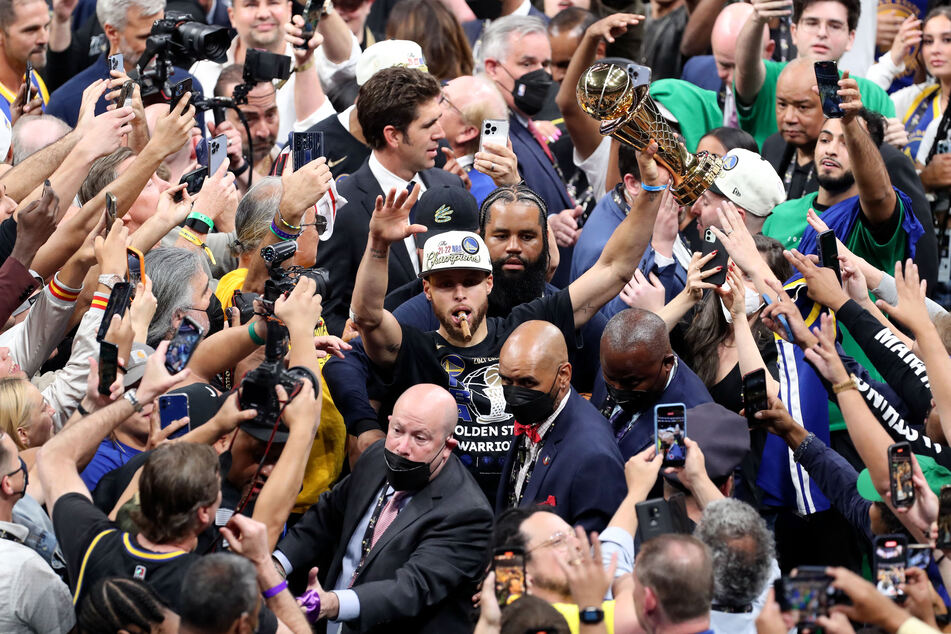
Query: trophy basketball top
[(612, 87)]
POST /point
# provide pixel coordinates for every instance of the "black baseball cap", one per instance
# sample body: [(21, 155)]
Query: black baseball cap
[(445, 208), (723, 436)]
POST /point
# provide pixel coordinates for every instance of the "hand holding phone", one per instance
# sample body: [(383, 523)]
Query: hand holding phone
[(900, 474), (711, 244), (828, 251), (117, 62), (217, 153), (495, 131), (112, 210), (178, 91), (108, 366), (136, 265), (754, 395), (118, 303), (182, 346), (670, 429), (509, 567), (311, 16), (173, 407), (827, 79), (306, 147)]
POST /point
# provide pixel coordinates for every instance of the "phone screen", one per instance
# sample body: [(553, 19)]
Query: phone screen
[(306, 147), (829, 252), (808, 592), (670, 428), (183, 345), (173, 407), (135, 265), (311, 16), (710, 244), (194, 180), (827, 78), (890, 560), (178, 91), (919, 556), (108, 365), (754, 394), (944, 518), (118, 303), (900, 472), (495, 131), (509, 567), (217, 153)]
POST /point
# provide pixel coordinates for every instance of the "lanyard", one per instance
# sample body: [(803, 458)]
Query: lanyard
[(367, 542)]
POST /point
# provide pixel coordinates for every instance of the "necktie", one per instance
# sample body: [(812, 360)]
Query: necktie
[(528, 430), (541, 140), (387, 515)]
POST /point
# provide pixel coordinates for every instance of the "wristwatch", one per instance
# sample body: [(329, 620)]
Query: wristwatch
[(591, 616), (130, 396), (109, 281)]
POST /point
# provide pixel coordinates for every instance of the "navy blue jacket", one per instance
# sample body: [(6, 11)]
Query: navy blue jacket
[(702, 71), (579, 472), (473, 28)]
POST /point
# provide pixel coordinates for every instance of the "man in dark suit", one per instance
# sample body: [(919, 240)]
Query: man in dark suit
[(399, 117), (563, 454), (474, 28), (516, 54), (400, 541)]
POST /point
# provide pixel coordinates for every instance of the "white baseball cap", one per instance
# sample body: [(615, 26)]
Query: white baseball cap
[(750, 182), (455, 250), (389, 53)]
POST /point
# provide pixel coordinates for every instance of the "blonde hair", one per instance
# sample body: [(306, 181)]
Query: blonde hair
[(16, 408)]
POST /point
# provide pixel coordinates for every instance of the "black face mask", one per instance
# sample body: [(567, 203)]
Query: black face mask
[(528, 406), (530, 91), (404, 474), (631, 401)]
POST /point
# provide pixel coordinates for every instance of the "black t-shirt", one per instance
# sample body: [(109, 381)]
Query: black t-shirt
[(484, 430)]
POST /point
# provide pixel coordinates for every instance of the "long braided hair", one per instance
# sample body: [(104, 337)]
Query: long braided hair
[(119, 603)]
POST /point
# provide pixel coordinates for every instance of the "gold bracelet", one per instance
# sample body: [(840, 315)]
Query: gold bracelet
[(845, 386)]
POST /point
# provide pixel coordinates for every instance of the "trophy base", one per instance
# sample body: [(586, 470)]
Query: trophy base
[(700, 175)]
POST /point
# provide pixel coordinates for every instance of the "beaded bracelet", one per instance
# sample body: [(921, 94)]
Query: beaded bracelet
[(287, 224), (282, 235)]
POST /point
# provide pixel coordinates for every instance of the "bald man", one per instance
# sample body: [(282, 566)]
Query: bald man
[(399, 542), (640, 371), (699, 70), (563, 454)]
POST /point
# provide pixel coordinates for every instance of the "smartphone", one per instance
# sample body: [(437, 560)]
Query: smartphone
[(183, 345), (920, 556), (782, 320), (653, 518), (112, 209), (670, 428), (944, 518), (29, 82), (178, 91), (108, 365), (125, 94), (173, 407), (117, 62), (891, 557), (495, 131), (136, 262), (509, 567), (311, 15), (829, 252), (193, 181), (899, 474), (754, 395), (827, 78), (118, 303), (217, 153), (305, 147), (808, 592), (711, 244)]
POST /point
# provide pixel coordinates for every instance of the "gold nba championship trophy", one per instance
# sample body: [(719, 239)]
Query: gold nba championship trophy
[(615, 92)]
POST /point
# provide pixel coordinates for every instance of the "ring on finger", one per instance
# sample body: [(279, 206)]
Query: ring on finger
[(491, 166)]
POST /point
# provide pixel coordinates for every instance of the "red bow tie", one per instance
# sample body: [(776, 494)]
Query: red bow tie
[(529, 430)]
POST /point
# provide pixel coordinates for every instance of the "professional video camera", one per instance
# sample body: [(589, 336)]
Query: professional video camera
[(257, 389), (177, 40), (282, 280)]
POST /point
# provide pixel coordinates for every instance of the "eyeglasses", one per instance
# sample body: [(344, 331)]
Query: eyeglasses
[(557, 540), (26, 473), (445, 100)]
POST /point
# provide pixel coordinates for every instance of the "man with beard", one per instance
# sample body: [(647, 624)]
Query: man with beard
[(513, 223), (463, 354), (24, 33)]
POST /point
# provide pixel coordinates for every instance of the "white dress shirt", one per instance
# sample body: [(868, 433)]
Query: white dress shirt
[(534, 448), (387, 181)]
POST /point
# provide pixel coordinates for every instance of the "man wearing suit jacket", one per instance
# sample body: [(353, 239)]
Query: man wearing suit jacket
[(400, 541), (516, 54), (399, 116), (563, 454)]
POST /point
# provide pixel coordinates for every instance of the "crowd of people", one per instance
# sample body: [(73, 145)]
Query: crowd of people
[(344, 316)]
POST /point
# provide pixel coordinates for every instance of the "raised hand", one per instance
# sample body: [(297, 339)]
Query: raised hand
[(564, 224), (911, 309), (823, 285), (293, 33), (499, 162), (644, 293), (850, 100), (613, 26), (907, 38), (300, 309), (35, 224), (390, 220), (303, 188), (768, 9), (824, 356), (173, 130)]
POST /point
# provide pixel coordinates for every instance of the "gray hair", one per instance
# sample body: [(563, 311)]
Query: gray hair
[(171, 269), (742, 549), (115, 12), (497, 38), (217, 590), (254, 214), (32, 133)]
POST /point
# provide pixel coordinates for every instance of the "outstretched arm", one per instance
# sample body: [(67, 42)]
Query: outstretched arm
[(750, 72)]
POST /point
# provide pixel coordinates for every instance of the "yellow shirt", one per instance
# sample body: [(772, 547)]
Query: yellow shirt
[(330, 445), (570, 612)]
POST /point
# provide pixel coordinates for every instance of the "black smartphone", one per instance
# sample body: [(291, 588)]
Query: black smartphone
[(808, 592), (829, 252), (112, 210), (891, 557), (311, 14), (899, 474), (136, 265), (509, 567), (29, 83), (173, 407), (118, 304), (670, 428), (944, 518), (754, 395), (108, 365), (827, 78), (653, 518), (183, 345), (193, 181), (117, 62), (306, 147), (178, 91), (125, 94), (710, 244)]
